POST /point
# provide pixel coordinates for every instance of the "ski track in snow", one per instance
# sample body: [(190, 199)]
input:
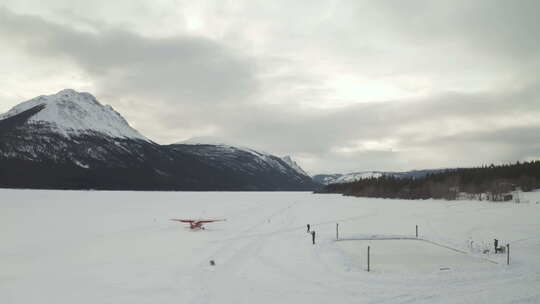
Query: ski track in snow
[(120, 247)]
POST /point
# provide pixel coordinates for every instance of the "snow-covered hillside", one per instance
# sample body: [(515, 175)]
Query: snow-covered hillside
[(224, 146), (289, 161), (248, 162), (120, 247), (338, 178), (69, 112), (327, 179)]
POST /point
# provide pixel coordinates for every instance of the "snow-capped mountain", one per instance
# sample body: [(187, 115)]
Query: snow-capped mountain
[(226, 154), (224, 147), (71, 113), (70, 140)]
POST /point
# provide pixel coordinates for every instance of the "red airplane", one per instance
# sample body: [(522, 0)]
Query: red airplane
[(197, 224)]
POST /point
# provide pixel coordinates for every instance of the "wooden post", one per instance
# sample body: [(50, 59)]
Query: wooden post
[(507, 254), (416, 231), (337, 231), (368, 259)]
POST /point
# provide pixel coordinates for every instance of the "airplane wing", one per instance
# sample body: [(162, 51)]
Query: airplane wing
[(184, 221), (198, 221), (210, 221)]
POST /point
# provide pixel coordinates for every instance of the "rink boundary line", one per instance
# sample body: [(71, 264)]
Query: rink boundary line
[(411, 238), (460, 251)]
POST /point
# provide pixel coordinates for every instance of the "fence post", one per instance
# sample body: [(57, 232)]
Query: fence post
[(507, 254), (368, 259), (337, 231)]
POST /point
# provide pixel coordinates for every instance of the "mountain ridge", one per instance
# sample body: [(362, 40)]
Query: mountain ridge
[(70, 112), (339, 178), (57, 150)]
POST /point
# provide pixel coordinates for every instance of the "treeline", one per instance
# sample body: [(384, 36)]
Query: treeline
[(487, 182)]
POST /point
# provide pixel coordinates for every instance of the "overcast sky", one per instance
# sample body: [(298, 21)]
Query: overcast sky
[(341, 86)]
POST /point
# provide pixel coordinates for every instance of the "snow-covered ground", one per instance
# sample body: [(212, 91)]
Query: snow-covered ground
[(120, 247)]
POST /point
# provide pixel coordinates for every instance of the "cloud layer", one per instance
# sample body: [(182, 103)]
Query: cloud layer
[(341, 86)]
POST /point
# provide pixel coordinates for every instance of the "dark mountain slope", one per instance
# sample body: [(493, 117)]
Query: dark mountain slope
[(70, 141)]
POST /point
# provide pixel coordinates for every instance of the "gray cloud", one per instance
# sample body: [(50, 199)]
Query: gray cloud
[(466, 73), (186, 69), (449, 130), (493, 27)]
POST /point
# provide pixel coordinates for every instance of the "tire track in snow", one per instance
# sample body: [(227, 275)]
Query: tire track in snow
[(238, 254)]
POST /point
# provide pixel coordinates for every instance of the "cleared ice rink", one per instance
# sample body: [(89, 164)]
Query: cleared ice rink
[(410, 256)]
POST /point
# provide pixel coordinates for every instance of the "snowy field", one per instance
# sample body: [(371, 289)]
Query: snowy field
[(120, 247)]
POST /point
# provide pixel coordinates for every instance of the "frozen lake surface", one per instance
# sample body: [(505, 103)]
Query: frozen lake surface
[(121, 247)]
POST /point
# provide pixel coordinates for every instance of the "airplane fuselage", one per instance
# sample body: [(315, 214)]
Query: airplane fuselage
[(196, 225)]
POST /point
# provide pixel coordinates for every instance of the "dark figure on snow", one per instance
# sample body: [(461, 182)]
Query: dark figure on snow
[(313, 237), (496, 244), (308, 227)]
